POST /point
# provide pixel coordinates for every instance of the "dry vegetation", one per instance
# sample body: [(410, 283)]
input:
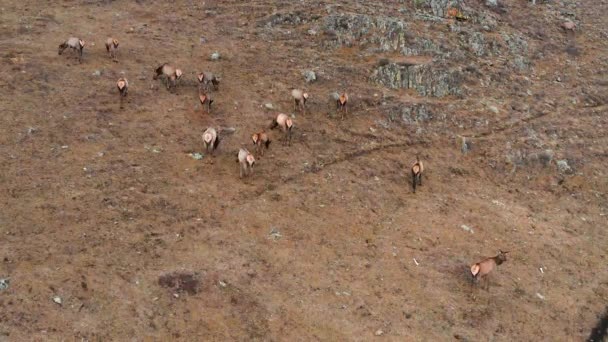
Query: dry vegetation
[(106, 209)]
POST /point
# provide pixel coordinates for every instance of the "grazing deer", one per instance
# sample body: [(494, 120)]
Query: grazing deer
[(481, 269), (170, 73), (74, 44)]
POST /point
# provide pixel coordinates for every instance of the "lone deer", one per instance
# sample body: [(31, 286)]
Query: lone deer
[(417, 170), (341, 104), (481, 269)]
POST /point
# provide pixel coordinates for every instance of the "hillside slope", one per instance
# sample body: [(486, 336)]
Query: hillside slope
[(107, 210)]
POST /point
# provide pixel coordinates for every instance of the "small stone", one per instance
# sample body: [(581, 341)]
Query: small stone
[(196, 156), (312, 32), (563, 167), (4, 282), (97, 73), (540, 296), (274, 233), (379, 332), (546, 157), (466, 228), (222, 284), (57, 300), (492, 3), (215, 56), (269, 106), (310, 76), (493, 109), (228, 130)]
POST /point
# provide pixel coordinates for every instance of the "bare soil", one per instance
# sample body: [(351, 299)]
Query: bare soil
[(106, 209)]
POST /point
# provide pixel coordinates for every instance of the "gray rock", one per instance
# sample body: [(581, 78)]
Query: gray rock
[(476, 43), (465, 146), (215, 56), (427, 80), (563, 167), (492, 3), (196, 155), (335, 96), (439, 7), (545, 157), (415, 113), (268, 106), (493, 109), (96, 73), (275, 234), (4, 282), (310, 76), (466, 228)]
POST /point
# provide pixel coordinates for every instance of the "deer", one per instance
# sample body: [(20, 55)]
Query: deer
[(417, 170), (246, 161), (261, 140), (169, 72), (123, 89), (112, 48), (211, 139), (206, 100), (299, 99), (481, 269), (75, 44), (205, 78), (341, 104), (286, 124)]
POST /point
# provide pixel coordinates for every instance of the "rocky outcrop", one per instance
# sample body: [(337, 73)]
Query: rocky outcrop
[(427, 79), (386, 33)]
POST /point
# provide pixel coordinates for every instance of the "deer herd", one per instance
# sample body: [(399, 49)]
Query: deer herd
[(207, 82)]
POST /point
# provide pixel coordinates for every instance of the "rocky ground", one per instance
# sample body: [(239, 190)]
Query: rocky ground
[(112, 231)]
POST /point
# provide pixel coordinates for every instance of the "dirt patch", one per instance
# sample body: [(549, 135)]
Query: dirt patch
[(180, 282)]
